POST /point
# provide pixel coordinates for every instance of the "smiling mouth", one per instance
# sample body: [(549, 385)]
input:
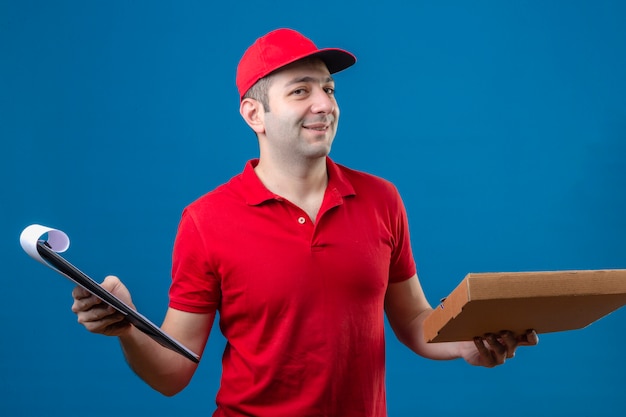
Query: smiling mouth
[(318, 125), (317, 128)]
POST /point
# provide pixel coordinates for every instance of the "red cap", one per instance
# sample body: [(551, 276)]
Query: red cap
[(279, 48)]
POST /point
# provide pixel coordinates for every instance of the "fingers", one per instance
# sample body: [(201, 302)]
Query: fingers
[(95, 315), (510, 342), (111, 282), (97, 312), (100, 318), (80, 292), (488, 359), (495, 349), (83, 300), (529, 339)]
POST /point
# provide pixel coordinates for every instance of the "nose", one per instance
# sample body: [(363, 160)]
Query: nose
[(323, 102)]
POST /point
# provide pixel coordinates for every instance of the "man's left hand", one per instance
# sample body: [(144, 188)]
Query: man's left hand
[(494, 349)]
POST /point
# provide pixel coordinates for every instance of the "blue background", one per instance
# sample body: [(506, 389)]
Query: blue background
[(503, 124)]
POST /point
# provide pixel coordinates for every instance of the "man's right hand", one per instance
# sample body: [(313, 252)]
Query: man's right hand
[(97, 316)]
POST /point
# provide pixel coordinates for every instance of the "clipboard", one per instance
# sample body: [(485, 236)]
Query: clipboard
[(65, 268)]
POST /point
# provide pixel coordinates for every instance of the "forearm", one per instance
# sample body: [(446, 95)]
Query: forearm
[(163, 369), (411, 334)]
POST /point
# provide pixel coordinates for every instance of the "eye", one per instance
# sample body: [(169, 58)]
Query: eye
[(329, 90), (299, 91)]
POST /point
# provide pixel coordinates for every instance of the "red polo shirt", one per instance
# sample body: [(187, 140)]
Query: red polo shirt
[(300, 302)]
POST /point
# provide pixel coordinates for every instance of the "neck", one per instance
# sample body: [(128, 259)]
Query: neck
[(303, 184)]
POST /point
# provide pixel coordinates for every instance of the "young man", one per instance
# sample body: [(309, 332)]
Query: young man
[(301, 257)]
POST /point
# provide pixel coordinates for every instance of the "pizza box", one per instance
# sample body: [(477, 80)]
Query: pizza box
[(551, 301)]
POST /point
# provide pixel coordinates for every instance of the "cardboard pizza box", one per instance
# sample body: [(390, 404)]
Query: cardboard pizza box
[(518, 301)]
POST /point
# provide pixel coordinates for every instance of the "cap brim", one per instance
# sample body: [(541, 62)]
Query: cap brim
[(335, 59)]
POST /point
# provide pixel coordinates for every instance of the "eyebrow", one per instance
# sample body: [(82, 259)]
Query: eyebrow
[(309, 79)]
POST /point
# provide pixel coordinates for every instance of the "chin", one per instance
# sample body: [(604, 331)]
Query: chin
[(321, 153)]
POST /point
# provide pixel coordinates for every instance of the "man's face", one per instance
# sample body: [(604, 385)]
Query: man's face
[(303, 118)]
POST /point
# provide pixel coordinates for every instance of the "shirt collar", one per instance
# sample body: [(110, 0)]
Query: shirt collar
[(256, 193)]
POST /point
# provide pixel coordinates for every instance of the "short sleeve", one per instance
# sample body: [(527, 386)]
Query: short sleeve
[(402, 265), (195, 288)]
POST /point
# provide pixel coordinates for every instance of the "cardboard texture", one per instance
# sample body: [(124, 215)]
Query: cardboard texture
[(518, 301)]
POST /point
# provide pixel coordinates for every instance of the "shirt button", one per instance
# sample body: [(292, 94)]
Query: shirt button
[(301, 220)]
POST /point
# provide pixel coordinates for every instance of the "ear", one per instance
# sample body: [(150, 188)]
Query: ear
[(252, 112)]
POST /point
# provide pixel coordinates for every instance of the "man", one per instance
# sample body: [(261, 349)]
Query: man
[(301, 257)]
